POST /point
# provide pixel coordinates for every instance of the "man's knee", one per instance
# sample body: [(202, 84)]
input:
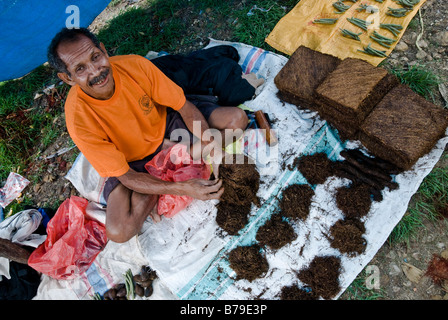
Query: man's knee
[(120, 225), (126, 212), (240, 121), (229, 118), (117, 230), (118, 233)]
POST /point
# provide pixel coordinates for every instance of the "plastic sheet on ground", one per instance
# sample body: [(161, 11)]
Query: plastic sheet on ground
[(190, 252)]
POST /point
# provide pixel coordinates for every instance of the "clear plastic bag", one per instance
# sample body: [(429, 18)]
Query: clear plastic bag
[(12, 188)]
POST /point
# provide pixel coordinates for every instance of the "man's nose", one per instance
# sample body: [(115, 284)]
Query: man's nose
[(93, 69)]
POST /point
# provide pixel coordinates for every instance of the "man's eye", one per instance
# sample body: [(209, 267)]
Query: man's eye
[(95, 57), (79, 69)]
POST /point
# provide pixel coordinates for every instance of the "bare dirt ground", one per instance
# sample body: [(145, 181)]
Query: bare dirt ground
[(430, 50)]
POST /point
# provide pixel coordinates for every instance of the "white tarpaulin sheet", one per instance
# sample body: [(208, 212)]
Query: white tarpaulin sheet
[(190, 251)]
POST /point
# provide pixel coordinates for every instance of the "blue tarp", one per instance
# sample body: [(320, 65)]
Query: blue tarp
[(27, 27)]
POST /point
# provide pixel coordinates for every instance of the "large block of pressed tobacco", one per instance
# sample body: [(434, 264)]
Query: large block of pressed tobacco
[(403, 127), (301, 75), (354, 88)]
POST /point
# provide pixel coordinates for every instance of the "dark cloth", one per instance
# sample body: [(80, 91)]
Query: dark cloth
[(22, 285), (205, 104), (214, 71), (138, 166)]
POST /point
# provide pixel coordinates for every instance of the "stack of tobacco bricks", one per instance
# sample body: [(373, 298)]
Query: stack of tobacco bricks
[(363, 103)]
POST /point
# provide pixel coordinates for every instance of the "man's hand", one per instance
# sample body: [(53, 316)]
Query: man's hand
[(203, 189), (215, 167)]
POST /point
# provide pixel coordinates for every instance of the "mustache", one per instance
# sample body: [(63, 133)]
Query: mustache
[(99, 78)]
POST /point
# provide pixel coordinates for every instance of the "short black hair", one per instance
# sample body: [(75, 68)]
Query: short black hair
[(67, 35)]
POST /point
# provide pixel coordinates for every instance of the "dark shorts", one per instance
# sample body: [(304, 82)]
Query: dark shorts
[(205, 104)]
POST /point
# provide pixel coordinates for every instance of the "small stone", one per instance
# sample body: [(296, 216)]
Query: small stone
[(421, 54), (391, 255), (401, 46), (429, 238), (436, 56), (410, 38), (442, 38), (444, 254), (394, 270), (422, 43), (394, 62)]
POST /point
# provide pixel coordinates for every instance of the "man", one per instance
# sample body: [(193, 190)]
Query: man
[(120, 112)]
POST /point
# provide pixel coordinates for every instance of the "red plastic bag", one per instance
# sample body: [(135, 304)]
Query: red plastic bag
[(175, 164), (72, 244)]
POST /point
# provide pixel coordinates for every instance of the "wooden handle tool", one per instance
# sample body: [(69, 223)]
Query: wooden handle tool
[(264, 124)]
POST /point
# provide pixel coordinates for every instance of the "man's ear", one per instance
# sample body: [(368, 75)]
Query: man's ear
[(66, 78), (103, 47)]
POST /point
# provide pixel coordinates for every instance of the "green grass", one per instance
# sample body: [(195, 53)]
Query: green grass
[(22, 124), (253, 29), (164, 25), (358, 289), (17, 94), (136, 31), (420, 79), (428, 205)]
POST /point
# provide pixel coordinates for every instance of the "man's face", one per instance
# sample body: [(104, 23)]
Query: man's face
[(89, 67)]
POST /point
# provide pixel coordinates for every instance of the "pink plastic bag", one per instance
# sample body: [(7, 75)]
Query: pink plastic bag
[(72, 244), (175, 164)]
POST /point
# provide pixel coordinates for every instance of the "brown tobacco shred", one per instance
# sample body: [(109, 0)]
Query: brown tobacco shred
[(322, 276), (275, 233), (296, 201), (248, 262)]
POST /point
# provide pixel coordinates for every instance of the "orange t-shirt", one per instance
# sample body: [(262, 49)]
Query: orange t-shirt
[(131, 124)]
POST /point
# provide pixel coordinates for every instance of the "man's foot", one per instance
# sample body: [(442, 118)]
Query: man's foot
[(253, 80), (155, 215), (167, 143)]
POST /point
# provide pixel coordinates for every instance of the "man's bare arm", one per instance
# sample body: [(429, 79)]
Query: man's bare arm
[(196, 188), (189, 114), (207, 145)]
